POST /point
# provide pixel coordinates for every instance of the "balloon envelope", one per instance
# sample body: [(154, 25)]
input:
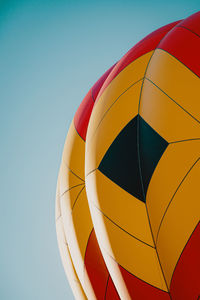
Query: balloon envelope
[(128, 206)]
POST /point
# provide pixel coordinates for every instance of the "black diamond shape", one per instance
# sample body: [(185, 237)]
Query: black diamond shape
[(121, 161), (151, 148)]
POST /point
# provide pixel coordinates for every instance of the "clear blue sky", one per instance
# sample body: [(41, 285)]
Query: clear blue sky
[(51, 52)]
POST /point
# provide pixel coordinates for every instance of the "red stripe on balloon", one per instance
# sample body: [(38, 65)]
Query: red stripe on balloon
[(185, 46), (147, 44), (141, 290), (185, 284), (82, 116), (96, 88), (96, 269), (192, 23), (83, 113), (111, 293)]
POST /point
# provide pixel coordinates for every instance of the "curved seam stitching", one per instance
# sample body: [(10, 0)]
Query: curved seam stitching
[(182, 141), (119, 73), (92, 95), (182, 181), (91, 172), (172, 99), (77, 198), (110, 256), (78, 132), (69, 189), (140, 171), (138, 120), (189, 30), (183, 251), (121, 227), (65, 163), (84, 267), (105, 113), (179, 61), (106, 286)]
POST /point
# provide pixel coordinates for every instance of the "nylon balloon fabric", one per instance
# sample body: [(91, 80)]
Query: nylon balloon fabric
[(127, 204)]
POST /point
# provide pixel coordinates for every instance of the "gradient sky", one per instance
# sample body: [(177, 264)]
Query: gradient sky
[(51, 52)]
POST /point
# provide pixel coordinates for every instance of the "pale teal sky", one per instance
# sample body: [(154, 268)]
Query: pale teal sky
[(51, 52)]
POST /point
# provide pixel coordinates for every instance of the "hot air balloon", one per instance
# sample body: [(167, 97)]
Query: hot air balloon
[(128, 205)]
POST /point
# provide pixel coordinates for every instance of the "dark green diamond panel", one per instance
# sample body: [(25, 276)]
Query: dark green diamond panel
[(133, 156)]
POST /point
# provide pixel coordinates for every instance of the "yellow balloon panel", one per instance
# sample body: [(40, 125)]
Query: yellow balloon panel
[(67, 202), (176, 80), (179, 221), (74, 152), (166, 117), (68, 179), (169, 173), (122, 208), (119, 114), (122, 248), (78, 230), (129, 76)]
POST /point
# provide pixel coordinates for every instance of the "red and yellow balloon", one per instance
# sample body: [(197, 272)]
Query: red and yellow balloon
[(128, 204)]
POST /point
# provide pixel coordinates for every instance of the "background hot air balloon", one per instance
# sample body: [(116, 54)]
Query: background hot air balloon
[(133, 231)]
